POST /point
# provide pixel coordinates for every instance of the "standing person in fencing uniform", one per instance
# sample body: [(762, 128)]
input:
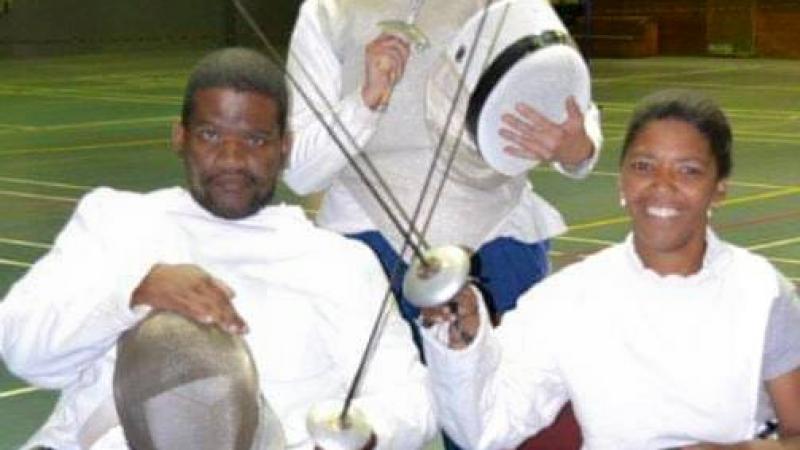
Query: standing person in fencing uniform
[(218, 253), (384, 94), (378, 90), (671, 339)]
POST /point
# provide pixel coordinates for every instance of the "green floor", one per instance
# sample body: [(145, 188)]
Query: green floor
[(67, 124)]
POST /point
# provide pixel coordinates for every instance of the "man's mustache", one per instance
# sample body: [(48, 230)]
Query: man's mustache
[(212, 178)]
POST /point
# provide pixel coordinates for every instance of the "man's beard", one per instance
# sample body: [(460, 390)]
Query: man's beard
[(204, 195)]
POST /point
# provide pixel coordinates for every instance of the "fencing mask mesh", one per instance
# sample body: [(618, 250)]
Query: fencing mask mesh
[(179, 384)]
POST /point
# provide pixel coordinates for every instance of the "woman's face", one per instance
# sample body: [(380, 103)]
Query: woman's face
[(669, 182)]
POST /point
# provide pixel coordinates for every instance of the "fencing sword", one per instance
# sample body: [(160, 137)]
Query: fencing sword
[(440, 273), (424, 285), (279, 61), (408, 28), (432, 268)]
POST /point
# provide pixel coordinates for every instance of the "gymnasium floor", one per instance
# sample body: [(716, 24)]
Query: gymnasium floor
[(70, 123)]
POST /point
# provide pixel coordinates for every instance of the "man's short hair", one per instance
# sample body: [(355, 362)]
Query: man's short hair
[(241, 69)]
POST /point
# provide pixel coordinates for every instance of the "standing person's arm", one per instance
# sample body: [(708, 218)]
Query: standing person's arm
[(316, 158)]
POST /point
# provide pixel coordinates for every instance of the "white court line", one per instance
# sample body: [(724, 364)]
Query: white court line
[(105, 123), (774, 244), (55, 198), (45, 183), (11, 127), (17, 392), (13, 263), (89, 95), (794, 262), (22, 243), (32, 151)]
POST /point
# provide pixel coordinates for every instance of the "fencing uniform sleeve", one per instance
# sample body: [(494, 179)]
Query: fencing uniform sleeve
[(69, 309), (315, 158), (504, 387)]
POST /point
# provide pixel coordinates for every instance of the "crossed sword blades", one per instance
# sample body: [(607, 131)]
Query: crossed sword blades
[(435, 274)]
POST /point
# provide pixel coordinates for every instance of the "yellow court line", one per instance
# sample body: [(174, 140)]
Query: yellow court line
[(31, 151), (600, 223), (650, 76), (766, 134), (733, 201), (732, 183), (774, 244), (758, 185), (726, 87), (606, 243), (607, 137), (54, 198), (737, 135), (22, 243), (768, 140), (760, 113), (585, 240), (45, 183), (20, 391), (763, 196), (13, 263)]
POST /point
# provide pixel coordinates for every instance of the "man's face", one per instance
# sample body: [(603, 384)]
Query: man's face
[(233, 151)]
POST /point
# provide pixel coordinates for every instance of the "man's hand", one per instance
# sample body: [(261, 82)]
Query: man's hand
[(190, 291), (462, 315), (530, 135), (385, 62)]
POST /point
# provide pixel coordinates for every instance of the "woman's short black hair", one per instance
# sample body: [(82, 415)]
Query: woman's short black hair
[(693, 108)]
